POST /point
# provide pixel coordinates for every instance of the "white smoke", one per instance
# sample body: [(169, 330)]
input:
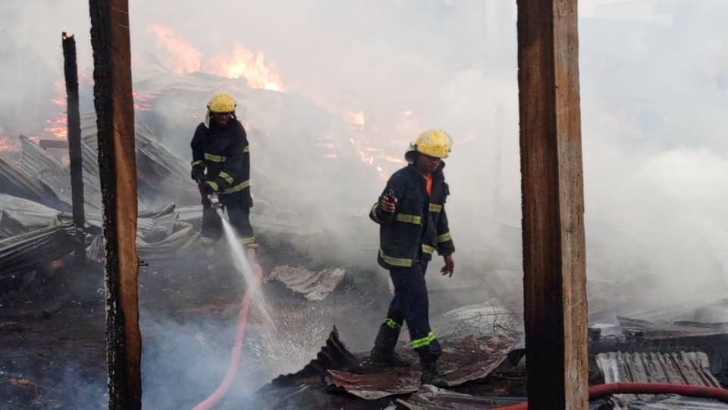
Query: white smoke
[(653, 76)]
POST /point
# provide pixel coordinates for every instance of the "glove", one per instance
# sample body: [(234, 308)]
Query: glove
[(207, 189), (251, 253), (198, 174)]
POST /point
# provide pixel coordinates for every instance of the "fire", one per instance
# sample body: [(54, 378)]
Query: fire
[(369, 142), (252, 66), (408, 124), (57, 127), (240, 62), (187, 58), (8, 144), (355, 117), (142, 102), (327, 143)]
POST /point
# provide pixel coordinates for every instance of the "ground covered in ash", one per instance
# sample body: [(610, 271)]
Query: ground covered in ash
[(52, 332), (52, 338)]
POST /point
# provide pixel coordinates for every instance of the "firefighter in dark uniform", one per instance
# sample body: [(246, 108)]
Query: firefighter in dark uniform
[(221, 165), (413, 225)]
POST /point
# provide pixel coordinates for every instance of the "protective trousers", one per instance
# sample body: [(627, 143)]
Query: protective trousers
[(239, 217), (411, 305)]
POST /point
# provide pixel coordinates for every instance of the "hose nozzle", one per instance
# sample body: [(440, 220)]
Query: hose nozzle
[(214, 201)]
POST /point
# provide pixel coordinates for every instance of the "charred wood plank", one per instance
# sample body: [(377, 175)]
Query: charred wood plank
[(553, 205), (117, 164), (53, 144), (73, 114)]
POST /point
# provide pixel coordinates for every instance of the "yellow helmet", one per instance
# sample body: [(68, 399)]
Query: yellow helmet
[(222, 102), (435, 143)]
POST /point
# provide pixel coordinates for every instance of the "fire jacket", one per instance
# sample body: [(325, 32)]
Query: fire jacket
[(224, 153), (419, 225)]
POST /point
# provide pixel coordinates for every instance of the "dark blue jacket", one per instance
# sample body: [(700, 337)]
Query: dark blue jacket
[(224, 154), (419, 225)]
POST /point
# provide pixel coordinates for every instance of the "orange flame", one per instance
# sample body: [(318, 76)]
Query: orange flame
[(57, 127), (9, 144), (252, 66), (142, 102), (382, 150), (188, 59), (241, 62), (355, 117)]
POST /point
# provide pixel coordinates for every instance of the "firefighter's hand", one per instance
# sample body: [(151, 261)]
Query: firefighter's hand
[(198, 174), (449, 267), (207, 189), (388, 204)]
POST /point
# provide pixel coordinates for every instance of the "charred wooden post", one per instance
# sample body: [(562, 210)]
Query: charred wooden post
[(73, 114), (115, 121), (553, 205)]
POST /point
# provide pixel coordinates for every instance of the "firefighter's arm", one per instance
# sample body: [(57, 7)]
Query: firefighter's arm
[(395, 189), (198, 156), (445, 244)]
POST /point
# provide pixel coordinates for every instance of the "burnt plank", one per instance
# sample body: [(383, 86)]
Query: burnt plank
[(553, 205), (115, 122), (73, 115)]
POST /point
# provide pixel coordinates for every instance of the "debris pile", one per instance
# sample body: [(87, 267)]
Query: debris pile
[(35, 177)]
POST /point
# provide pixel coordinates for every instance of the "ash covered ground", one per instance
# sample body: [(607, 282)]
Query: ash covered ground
[(53, 332)]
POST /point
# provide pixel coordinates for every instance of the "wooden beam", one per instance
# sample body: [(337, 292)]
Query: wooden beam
[(555, 312), (53, 144), (115, 121), (73, 114)]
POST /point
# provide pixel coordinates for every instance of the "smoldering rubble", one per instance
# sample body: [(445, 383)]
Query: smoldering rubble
[(317, 279)]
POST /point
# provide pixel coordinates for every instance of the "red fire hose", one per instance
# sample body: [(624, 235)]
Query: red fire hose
[(235, 357), (609, 389)]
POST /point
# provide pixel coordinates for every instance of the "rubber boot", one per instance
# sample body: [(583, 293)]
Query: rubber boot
[(383, 352), (390, 359), (430, 375)]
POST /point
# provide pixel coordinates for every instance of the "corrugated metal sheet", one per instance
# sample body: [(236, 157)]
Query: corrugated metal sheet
[(432, 398), (18, 216), (35, 160), (23, 253), (678, 403), (691, 368), (677, 368), (464, 359), (334, 355), (148, 149), (313, 285), (669, 330), (14, 181)]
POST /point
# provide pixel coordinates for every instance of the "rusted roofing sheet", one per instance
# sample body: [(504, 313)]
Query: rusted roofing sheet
[(692, 368), (464, 359), (23, 253), (430, 397), (676, 368), (677, 403), (334, 355)]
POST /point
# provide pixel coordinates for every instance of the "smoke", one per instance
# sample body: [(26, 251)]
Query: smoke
[(653, 75)]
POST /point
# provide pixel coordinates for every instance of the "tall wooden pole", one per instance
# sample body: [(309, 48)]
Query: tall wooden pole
[(73, 114), (553, 205), (115, 121)]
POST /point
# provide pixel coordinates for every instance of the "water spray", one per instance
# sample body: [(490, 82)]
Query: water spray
[(253, 277)]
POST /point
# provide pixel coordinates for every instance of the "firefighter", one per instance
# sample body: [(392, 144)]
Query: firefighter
[(413, 225), (221, 165)]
